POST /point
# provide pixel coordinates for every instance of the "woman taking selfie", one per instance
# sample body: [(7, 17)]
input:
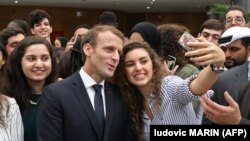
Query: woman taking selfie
[(156, 98)]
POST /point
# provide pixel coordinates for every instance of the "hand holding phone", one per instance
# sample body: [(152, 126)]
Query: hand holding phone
[(74, 38), (186, 37), (71, 43)]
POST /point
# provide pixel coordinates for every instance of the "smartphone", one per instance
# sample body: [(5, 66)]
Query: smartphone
[(172, 61), (186, 37), (74, 39)]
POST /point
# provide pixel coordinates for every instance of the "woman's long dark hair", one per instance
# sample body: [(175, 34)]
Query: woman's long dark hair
[(132, 95), (71, 61), (15, 81), (170, 34), (5, 56)]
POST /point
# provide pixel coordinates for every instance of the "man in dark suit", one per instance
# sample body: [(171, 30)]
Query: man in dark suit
[(68, 110), (235, 42), (230, 81), (244, 98), (236, 113)]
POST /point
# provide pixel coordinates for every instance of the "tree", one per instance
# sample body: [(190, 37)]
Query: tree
[(233, 2), (217, 11)]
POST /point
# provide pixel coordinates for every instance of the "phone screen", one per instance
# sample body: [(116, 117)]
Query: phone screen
[(172, 61), (186, 37)]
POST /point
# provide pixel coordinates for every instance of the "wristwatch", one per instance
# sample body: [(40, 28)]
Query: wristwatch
[(217, 69)]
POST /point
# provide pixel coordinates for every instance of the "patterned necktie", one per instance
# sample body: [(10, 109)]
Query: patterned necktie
[(99, 110)]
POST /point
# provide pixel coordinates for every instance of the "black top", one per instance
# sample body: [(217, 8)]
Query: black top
[(29, 118)]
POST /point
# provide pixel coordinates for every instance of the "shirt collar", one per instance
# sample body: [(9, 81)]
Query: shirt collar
[(88, 81)]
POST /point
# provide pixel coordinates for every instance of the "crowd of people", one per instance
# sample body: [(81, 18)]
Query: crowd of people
[(103, 86)]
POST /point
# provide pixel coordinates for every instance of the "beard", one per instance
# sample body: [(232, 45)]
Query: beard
[(234, 63)]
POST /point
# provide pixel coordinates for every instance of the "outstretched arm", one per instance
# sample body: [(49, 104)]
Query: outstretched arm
[(206, 54)]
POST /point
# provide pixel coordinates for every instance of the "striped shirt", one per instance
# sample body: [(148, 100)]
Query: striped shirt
[(12, 130), (176, 105)]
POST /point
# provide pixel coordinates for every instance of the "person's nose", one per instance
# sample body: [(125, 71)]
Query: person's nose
[(233, 22), (228, 54), (116, 57), (138, 66), (38, 63), (210, 38), (43, 25)]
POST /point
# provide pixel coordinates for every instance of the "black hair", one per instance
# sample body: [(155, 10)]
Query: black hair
[(82, 26), (108, 18), (20, 24), (9, 32), (212, 24), (15, 83), (37, 16)]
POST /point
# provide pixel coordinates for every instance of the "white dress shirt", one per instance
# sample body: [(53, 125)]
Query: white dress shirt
[(88, 83)]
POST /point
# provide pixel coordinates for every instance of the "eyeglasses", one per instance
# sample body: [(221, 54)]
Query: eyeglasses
[(238, 20)]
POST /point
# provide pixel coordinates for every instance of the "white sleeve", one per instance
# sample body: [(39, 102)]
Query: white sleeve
[(177, 89), (14, 124)]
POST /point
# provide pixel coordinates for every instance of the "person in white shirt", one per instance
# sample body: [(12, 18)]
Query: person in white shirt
[(11, 125)]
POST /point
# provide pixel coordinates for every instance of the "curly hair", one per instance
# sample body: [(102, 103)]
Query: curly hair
[(130, 92), (170, 34), (37, 16), (3, 104)]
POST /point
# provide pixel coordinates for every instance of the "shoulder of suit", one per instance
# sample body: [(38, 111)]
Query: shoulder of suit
[(242, 69), (110, 84), (112, 87)]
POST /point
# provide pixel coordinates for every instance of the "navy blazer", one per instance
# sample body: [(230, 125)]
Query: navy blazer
[(66, 113)]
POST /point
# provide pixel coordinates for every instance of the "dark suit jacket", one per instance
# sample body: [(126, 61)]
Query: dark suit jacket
[(231, 81), (244, 99), (66, 114)]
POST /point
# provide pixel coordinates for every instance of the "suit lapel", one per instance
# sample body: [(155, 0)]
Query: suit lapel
[(109, 113), (81, 94)]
